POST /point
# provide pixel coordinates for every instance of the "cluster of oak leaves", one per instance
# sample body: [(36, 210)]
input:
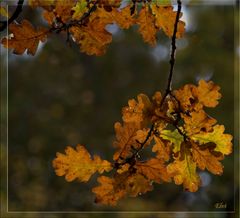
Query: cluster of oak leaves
[(85, 23), (182, 137)]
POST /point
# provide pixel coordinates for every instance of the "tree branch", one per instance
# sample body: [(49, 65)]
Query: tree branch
[(14, 16), (173, 51)]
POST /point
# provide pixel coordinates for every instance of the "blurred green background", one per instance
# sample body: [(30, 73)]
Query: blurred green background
[(62, 97)]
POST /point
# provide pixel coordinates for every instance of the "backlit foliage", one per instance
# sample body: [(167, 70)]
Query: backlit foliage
[(85, 23), (183, 138)]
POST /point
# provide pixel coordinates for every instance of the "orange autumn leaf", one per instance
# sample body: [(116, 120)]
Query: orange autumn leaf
[(165, 20), (111, 190), (107, 192), (207, 93), (78, 164), (206, 158), (198, 121), (162, 148), (185, 97), (63, 9), (123, 18), (147, 28), (24, 37), (126, 140), (193, 97), (137, 184), (92, 39), (153, 169), (137, 111)]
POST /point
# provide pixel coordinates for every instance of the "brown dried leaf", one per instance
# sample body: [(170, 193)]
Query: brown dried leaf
[(25, 37)]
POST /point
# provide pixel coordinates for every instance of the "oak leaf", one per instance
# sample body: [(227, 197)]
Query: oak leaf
[(78, 164), (147, 28), (138, 111), (217, 136), (183, 170), (63, 9), (111, 190), (185, 97), (207, 159), (207, 93), (25, 37), (123, 18), (126, 140), (92, 38), (137, 184), (193, 97), (197, 121), (108, 192), (79, 9), (165, 20), (154, 170), (174, 137), (162, 148)]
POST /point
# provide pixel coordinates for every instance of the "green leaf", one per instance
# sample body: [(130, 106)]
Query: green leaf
[(222, 141), (174, 137), (79, 9)]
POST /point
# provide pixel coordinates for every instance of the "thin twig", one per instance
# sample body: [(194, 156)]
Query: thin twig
[(173, 51), (14, 16)]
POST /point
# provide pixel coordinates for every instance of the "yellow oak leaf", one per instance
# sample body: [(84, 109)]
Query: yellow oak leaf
[(217, 136), (165, 20), (183, 170), (138, 111), (161, 148), (147, 28), (207, 93), (197, 121), (78, 164), (207, 159), (79, 9), (25, 37), (153, 169), (174, 137)]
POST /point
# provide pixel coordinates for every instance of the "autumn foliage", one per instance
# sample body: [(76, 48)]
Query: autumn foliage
[(174, 126), (84, 23), (183, 138)]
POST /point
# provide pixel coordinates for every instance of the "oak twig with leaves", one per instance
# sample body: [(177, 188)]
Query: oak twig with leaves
[(182, 136)]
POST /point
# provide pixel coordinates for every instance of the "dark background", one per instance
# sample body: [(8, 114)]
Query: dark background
[(62, 97)]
